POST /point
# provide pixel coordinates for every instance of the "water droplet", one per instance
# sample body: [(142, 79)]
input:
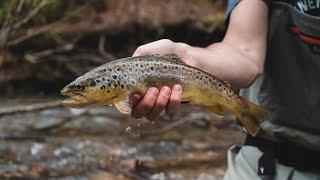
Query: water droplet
[(110, 105), (128, 130), (138, 124)]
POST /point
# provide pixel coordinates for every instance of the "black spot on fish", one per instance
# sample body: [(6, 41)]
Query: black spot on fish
[(152, 68), (118, 83), (110, 70), (109, 84), (114, 77), (102, 70), (122, 86), (176, 67), (130, 69), (141, 65), (165, 67), (108, 91), (103, 79), (92, 83), (118, 69), (97, 80), (115, 85), (80, 87), (125, 75)]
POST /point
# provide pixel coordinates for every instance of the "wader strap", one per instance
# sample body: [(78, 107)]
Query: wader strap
[(266, 163), (286, 153)]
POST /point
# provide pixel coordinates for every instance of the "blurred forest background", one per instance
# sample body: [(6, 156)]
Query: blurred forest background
[(44, 44)]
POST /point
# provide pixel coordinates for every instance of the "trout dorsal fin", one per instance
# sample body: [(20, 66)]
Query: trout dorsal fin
[(227, 83)]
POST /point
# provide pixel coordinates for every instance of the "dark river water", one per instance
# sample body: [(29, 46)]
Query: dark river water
[(99, 143)]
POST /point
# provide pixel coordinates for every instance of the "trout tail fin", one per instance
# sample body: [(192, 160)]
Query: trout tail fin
[(251, 115)]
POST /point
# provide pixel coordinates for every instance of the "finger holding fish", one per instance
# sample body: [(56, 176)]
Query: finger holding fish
[(160, 104), (146, 104)]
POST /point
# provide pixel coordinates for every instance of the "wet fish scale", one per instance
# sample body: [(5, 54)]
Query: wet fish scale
[(117, 80)]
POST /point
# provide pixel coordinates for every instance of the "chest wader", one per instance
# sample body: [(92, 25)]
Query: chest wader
[(290, 89)]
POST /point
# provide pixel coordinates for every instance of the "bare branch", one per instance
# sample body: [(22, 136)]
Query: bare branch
[(102, 40), (31, 14), (34, 57), (19, 7), (32, 32)]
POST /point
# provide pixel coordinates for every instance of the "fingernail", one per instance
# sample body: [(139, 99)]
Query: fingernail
[(166, 91), (177, 88), (153, 90)]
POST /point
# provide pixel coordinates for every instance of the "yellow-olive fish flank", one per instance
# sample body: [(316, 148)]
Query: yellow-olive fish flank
[(115, 81)]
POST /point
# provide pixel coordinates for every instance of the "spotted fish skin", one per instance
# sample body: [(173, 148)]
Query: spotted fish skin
[(116, 81)]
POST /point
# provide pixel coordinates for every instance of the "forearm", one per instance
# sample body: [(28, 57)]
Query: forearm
[(239, 58), (223, 61)]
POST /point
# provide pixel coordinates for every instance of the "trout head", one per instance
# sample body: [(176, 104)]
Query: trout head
[(88, 90)]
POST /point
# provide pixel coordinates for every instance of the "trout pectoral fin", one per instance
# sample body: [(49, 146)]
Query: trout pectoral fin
[(123, 105)]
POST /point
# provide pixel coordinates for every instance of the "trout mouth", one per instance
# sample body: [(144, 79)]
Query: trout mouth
[(76, 100)]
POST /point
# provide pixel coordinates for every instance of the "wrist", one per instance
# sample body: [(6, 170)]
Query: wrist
[(184, 51)]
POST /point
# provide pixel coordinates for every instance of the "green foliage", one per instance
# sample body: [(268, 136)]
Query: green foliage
[(53, 11), (211, 1), (58, 9), (5, 7), (213, 21)]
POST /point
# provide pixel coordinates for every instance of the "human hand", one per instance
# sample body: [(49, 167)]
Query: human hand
[(155, 101)]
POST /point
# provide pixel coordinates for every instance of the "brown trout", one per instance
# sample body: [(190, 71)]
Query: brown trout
[(114, 82)]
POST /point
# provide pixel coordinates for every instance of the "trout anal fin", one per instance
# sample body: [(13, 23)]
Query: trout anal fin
[(123, 105), (217, 109), (185, 102)]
